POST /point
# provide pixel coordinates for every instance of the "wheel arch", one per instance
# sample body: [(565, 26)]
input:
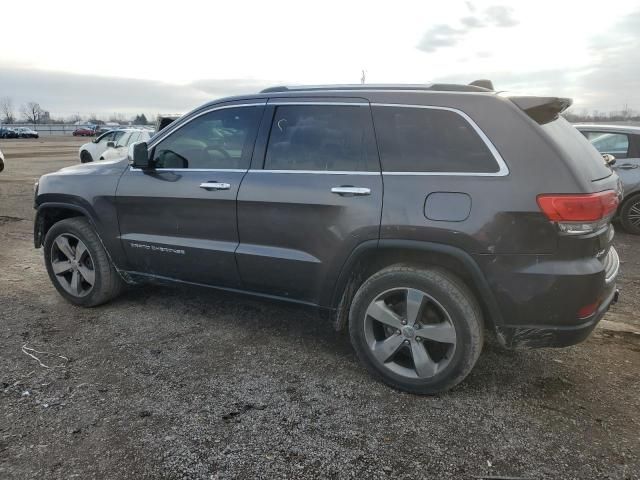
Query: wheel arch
[(50, 213), (372, 256)]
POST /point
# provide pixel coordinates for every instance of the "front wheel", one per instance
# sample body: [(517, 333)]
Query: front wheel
[(85, 157), (78, 264), (630, 214), (418, 330)]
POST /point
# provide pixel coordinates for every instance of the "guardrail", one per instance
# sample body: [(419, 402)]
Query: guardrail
[(47, 129)]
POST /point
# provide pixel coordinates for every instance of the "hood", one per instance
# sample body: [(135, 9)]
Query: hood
[(105, 167)]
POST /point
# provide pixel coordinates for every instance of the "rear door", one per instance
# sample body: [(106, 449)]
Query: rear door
[(313, 194), (179, 219)]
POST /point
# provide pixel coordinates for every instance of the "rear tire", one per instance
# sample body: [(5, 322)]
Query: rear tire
[(630, 214), (78, 264), (439, 316)]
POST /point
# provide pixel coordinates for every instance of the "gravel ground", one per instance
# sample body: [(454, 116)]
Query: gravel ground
[(189, 383)]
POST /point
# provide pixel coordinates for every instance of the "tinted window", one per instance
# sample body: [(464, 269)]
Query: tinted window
[(117, 134), (322, 137), (222, 139), (616, 144), (429, 140)]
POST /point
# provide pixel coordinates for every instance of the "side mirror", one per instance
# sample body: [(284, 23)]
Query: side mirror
[(609, 159), (139, 155), (111, 144)]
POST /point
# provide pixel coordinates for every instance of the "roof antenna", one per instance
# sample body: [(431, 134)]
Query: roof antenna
[(364, 77)]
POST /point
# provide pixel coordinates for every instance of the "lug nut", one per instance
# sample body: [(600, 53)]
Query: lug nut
[(418, 339), (404, 322), (397, 332), (406, 342)]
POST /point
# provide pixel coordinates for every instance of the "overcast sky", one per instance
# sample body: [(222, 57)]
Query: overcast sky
[(153, 57)]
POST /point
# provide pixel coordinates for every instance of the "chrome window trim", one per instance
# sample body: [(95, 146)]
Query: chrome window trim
[(503, 170), (155, 142)]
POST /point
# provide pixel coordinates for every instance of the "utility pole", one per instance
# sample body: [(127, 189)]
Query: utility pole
[(364, 77)]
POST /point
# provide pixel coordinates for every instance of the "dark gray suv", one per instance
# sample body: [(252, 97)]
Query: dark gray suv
[(418, 216)]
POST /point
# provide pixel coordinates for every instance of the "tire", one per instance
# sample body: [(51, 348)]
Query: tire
[(630, 214), (85, 157), (93, 265), (448, 318)]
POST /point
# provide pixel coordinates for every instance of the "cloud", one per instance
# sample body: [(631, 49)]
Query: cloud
[(64, 94), (444, 35), (501, 16), (439, 36)]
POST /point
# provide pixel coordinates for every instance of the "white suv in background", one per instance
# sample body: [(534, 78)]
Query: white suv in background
[(112, 145)]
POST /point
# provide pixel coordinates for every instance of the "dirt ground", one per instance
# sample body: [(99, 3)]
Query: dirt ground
[(186, 383)]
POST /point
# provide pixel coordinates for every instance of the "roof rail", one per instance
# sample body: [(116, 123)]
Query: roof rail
[(442, 87)]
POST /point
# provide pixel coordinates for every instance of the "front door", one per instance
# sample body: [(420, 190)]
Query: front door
[(313, 194), (178, 220)]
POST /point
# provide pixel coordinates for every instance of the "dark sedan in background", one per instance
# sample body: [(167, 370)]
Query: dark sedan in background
[(6, 132), (623, 142)]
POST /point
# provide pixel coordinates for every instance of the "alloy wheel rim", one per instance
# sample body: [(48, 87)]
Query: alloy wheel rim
[(72, 265), (409, 333), (634, 214)]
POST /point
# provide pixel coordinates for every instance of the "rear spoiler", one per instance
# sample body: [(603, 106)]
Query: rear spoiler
[(542, 109)]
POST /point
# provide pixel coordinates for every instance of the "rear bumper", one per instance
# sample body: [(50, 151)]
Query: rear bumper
[(537, 336)]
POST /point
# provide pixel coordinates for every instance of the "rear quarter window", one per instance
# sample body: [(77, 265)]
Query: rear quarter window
[(581, 155), (414, 139)]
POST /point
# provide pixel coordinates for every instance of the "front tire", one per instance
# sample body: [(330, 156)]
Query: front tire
[(85, 157), (78, 264), (630, 214), (417, 330)]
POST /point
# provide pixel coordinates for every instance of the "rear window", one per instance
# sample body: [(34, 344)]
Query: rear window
[(414, 139), (581, 154)]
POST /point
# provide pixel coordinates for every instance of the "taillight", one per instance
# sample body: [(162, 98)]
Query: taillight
[(579, 213)]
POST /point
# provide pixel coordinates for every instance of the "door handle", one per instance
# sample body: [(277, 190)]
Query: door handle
[(348, 191), (215, 186), (627, 166)]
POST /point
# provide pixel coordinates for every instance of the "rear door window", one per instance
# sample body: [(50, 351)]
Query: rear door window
[(322, 138), (414, 139), (616, 144)]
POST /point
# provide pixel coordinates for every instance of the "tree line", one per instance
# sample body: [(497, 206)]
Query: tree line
[(32, 112)]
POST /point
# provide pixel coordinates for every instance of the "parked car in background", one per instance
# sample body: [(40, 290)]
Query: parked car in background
[(623, 142), (6, 132), (99, 130), (84, 132), (165, 120), (92, 151), (26, 132), (1, 161), (416, 216), (117, 149)]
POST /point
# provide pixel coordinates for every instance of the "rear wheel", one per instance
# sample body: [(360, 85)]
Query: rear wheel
[(78, 264), (630, 214), (85, 157), (418, 330)]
